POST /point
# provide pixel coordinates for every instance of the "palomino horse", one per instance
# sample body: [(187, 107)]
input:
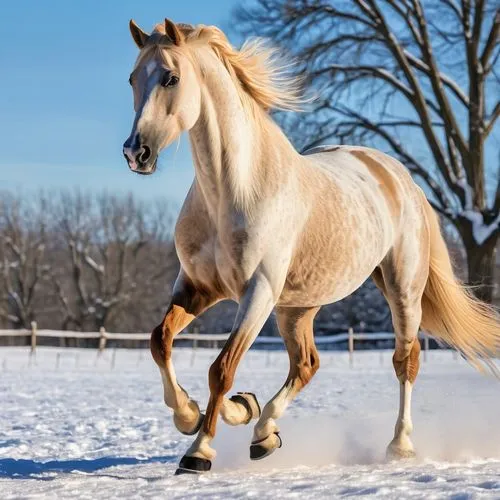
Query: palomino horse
[(270, 228)]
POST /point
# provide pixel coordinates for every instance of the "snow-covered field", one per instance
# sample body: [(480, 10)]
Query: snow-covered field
[(76, 426)]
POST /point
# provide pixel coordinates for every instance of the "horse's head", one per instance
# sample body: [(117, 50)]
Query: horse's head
[(166, 94)]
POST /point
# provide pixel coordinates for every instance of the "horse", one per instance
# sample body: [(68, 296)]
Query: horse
[(271, 228)]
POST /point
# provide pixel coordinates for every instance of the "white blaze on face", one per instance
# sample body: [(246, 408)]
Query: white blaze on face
[(150, 68), (148, 111)]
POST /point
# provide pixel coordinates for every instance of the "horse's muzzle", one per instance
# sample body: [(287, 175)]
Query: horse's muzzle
[(145, 169), (139, 158)]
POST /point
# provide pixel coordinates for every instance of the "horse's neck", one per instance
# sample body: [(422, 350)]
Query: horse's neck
[(223, 141), (231, 150)]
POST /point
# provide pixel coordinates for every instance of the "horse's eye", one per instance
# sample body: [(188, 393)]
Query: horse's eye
[(169, 80)]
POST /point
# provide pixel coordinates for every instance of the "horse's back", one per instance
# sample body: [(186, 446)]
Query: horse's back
[(361, 200), (366, 169)]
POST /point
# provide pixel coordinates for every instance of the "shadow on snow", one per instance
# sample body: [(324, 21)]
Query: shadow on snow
[(31, 469)]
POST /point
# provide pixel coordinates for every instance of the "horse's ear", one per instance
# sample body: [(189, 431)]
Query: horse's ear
[(138, 35), (173, 32)]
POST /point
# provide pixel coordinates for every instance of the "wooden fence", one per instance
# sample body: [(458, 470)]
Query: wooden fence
[(213, 339)]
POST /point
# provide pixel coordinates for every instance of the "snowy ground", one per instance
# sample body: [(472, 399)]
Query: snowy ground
[(75, 426)]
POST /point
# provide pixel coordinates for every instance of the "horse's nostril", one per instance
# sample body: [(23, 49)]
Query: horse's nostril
[(145, 154)]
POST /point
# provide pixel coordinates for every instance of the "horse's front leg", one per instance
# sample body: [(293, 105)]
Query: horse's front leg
[(187, 303), (255, 307), (296, 328)]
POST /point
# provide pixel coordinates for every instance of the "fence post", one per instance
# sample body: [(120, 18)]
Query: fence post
[(33, 337), (268, 359), (196, 330), (351, 347), (426, 347), (102, 339)]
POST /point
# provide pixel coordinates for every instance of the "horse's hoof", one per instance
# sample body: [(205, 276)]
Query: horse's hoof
[(250, 403), (263, 448), (193, 465), (180, 424), (395, 452)]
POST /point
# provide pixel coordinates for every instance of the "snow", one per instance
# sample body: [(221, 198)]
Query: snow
[(480, 231), (75, 425), (468, 191)]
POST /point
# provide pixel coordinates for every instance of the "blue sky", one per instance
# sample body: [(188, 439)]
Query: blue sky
[(65, 102)]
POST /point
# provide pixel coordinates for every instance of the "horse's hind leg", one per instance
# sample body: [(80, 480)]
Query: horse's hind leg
[(404, 280), (296, 328)]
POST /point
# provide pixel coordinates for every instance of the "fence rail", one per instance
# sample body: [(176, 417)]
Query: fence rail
[(103, 336)]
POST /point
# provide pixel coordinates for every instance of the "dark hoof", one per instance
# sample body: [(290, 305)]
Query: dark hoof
[(193, 465), (258, 451), (180, 472), (249, 401)]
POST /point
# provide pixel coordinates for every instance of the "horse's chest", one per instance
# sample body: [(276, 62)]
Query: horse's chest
[(221, 261), (237, 253)]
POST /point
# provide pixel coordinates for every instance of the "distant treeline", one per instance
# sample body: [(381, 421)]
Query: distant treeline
[(77, 260)]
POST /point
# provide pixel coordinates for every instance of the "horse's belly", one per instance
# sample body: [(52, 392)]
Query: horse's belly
[(310, 284)]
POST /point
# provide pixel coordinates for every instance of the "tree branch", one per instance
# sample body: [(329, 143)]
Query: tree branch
[(491, 41), (446, 80), (436, 81), (419, 102), (493, 118), (375, 72), (411, 163)]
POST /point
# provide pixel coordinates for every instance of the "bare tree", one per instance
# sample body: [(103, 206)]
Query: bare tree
[(114, 254), (79, 260), (416, 78), (22, 252)]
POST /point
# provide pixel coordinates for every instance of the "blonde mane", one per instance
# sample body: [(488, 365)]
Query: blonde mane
[(254, 68)]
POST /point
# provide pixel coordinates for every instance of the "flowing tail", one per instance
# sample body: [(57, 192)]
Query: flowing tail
[(451, 313)]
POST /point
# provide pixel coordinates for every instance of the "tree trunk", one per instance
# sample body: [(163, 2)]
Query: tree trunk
[(481, 263)]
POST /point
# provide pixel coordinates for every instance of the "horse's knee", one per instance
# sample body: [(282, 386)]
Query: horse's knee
[(406, 361), (306, 368), (220, 375), (314, 361), (163, 335)]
